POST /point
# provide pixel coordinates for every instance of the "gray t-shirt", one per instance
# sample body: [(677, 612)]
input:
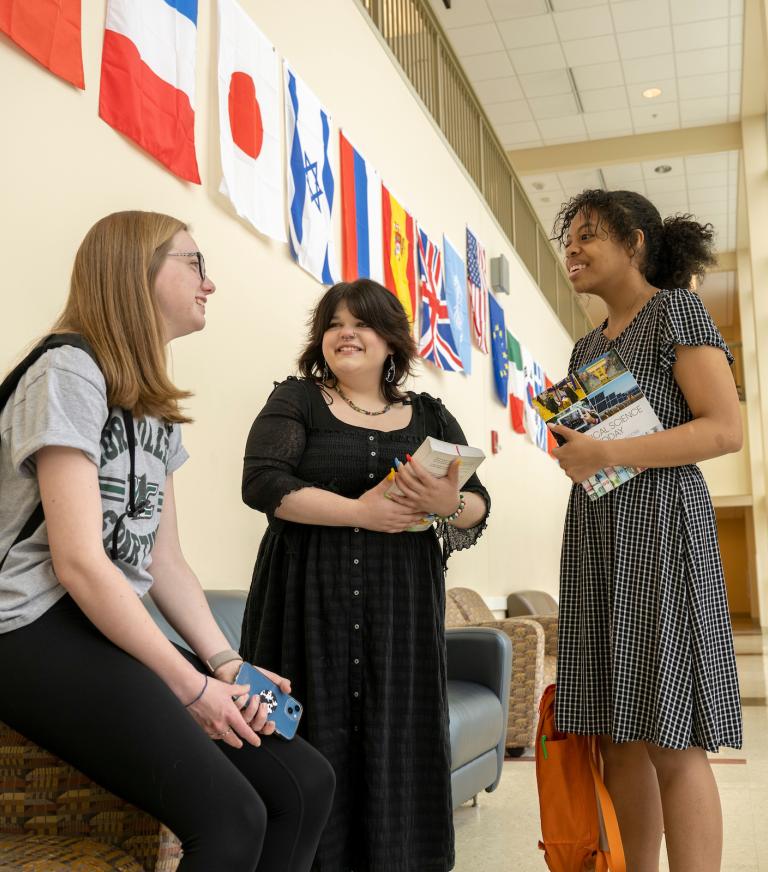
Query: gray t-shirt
[(62, 400)]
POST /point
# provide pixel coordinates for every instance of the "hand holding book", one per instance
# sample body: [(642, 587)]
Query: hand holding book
[(438, 470), (579, 456), (374, 510), (422, 491), (598, 403)]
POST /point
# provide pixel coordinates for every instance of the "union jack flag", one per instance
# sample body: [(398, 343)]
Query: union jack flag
[(478, 288), (437, 344)]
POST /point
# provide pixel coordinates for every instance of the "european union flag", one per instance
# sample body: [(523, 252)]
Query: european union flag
[(499, 356)]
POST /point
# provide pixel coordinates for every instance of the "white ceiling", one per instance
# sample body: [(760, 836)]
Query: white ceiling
[(704, 185), (549, 72), (520, 56)]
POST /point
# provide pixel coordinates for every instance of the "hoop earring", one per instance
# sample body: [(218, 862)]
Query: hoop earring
[(390, 376), (326, 371)]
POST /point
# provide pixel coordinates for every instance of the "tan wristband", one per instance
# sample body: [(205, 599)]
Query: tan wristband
[(226, 656)]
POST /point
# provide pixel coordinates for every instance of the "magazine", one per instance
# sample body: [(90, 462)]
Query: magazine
[(603, 400), (436, 456)]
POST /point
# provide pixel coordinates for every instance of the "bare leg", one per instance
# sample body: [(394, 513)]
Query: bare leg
[(693, 819), (632, 783)]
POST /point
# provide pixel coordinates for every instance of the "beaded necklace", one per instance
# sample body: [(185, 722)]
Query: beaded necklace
[(349, 402)]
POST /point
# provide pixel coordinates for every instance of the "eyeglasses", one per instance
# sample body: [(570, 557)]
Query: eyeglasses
[(196, 254)]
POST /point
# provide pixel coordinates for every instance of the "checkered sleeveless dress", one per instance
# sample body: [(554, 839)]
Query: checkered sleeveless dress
[(645, 646)]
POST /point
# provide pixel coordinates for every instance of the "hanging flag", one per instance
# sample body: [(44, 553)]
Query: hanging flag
[(310, 180), (477, 279), (456, 297), (249, 122), (361, 216), (49, 30), (498, 349), (437, 344), (551, 441), (517, 389), (539, 429), (148, 78), (399, 240)]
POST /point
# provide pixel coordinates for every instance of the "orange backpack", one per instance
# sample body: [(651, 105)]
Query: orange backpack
[(570, 788)]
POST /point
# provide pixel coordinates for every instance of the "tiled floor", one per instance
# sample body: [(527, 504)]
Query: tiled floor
[(501, 833)]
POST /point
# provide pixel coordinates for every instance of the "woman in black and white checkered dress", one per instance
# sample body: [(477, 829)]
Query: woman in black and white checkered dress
[(645, 651)]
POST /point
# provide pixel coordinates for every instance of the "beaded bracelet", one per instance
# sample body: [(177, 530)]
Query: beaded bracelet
[(459, 510), (199, 696)]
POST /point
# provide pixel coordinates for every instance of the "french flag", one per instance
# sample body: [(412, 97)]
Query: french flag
[(361, 216), (148, 78)]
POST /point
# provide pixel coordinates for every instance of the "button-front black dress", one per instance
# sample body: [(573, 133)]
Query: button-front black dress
[(355, 618)]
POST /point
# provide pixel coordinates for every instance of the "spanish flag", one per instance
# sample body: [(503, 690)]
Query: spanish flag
[(49, 30), (399, 252)]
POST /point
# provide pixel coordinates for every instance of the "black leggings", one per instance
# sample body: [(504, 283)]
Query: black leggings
[(65, 686)]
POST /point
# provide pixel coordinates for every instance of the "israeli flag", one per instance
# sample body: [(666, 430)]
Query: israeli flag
[(310, 180)]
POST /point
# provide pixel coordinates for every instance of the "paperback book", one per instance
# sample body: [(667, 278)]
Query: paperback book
[(436, 456), (603, 400)]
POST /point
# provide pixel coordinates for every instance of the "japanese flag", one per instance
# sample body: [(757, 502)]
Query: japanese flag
[(249, 121)]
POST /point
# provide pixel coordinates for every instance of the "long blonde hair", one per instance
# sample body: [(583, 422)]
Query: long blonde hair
[(112, 304)]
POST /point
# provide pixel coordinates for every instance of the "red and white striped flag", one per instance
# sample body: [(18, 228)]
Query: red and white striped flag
[(477, 279)]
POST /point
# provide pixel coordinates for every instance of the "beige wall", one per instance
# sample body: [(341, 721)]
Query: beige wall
[(732, 536), (63, 168), (728, 477)]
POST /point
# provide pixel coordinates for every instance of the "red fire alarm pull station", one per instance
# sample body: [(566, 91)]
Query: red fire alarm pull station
[(495, 447)]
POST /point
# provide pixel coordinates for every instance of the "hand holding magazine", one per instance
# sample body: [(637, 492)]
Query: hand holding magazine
[(436, 457), (603, 400)]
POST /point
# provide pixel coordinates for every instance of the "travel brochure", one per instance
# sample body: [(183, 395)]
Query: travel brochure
[(603, 400)]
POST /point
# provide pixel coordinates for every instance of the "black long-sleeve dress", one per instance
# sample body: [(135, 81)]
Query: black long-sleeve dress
[(355, 618)]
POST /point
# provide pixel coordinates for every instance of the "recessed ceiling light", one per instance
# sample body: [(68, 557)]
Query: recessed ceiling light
[(663, 168), (650, 93)]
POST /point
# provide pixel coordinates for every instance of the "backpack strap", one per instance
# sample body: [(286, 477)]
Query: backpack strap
[(133, 509), (9, 385), (616, 863)]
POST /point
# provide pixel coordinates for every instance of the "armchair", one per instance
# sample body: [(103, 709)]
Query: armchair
[(54, 817), (534, 644)]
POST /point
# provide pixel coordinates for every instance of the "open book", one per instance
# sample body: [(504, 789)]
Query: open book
[(603, 400), (436, 456)]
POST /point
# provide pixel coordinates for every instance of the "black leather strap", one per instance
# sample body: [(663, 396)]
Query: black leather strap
[(133, 509), (33, 522), (9, 385)]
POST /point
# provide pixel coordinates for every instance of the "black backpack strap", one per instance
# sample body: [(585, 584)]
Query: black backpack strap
[(133, 509), (33, 522), (55, 340), (9, 385)]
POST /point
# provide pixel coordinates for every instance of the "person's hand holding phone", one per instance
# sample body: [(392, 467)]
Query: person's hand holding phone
[(254, 712), (218, 713)]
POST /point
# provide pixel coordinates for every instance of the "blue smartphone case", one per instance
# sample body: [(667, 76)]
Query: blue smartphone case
[(284, 710)]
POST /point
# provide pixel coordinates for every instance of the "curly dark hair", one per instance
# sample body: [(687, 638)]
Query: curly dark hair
[(675, 249), (376, 306)]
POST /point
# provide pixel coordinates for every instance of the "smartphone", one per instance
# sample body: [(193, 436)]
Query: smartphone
[(284, 710)]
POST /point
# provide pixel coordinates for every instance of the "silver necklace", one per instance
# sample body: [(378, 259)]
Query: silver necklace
[(349, 402)]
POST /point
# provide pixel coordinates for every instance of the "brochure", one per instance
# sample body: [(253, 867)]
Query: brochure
[(603, 400), (436, 456)]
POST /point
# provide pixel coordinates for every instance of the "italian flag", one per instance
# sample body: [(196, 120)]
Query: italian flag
[(517, 386)]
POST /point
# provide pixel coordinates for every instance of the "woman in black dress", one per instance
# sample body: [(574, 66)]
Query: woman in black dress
[(343, 598), (645, 653)]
